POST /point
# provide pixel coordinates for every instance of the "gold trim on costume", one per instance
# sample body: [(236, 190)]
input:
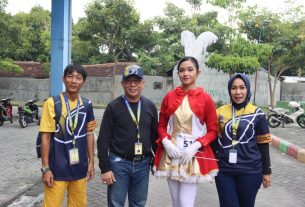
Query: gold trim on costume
[(171, 168)]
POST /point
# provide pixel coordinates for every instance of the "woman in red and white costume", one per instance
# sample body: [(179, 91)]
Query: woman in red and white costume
[(187, 126)]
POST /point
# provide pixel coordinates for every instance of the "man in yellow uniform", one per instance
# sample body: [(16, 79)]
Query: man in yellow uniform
[(67, 144)]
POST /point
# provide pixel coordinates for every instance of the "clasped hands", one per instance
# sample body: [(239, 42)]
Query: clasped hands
[(186, 155)]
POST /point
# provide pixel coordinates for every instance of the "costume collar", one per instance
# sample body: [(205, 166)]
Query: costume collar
[(192, 92)]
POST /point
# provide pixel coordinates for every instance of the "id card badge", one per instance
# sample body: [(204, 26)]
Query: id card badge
[(138, 148), (74, 156), (233, 156)]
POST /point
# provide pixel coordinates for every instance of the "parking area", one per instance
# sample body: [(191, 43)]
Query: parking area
[(20, 174)]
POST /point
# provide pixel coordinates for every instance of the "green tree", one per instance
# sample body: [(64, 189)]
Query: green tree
[(151, 64), (4, 31), (195, 3), (5, 63), (29, 35), (84, 49), (243, 57), (226, 3), (114, 27), (299, 49), (168, 49), (286, 37), (220, 3), (3, 4)]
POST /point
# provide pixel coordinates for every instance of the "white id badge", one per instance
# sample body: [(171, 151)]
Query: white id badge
[(233, 156), (138, 148), (74, 156), (184, 140)]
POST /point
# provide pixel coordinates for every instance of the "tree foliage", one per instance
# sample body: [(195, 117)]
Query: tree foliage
[(226, 3), (84, 49), (168, 48), (114, 27), (242, 56), (8, 65), (3, 4), (220, 3), (195, 3), (112, 31), (28, 35), (286, 37), (4, 31)]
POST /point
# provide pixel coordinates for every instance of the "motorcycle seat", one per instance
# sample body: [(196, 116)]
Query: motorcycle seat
[(6, 99), (281, 110)]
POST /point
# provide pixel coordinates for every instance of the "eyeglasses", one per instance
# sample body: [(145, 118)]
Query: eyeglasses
[(135, 81)]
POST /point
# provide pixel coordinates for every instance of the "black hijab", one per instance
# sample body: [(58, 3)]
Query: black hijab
[(247, 83)]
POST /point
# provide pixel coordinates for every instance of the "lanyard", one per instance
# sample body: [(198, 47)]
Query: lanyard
[(135, 120), (71, 123), (235, 125)]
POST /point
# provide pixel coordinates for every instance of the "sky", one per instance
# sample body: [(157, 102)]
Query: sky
[(146, 8)]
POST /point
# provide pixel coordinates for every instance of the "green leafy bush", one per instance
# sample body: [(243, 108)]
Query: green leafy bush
[(10, 66)]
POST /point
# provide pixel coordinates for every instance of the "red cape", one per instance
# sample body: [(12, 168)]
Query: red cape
[(203, 107)]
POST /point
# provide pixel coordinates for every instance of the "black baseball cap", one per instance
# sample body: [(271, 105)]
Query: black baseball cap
[(133, 70)]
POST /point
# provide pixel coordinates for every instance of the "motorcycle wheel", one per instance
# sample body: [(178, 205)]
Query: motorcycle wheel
[(22, 122), (301, 120), (272, 122), (1, 122)]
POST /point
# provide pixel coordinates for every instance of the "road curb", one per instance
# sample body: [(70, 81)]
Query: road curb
[(19, 194), (288, 148)]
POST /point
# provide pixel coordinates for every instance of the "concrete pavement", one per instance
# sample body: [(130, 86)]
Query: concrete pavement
[(20, 183)]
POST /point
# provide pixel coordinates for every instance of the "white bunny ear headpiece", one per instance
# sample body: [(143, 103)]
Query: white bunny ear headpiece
[(195, 47), (187, 40)]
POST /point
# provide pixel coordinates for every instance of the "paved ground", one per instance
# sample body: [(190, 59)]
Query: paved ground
[(292, 133), (20, 175)]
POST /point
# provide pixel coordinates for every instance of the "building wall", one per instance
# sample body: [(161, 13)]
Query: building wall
[(293, 91), (154, 94), (216, 84), (23, 88), (98, 89)]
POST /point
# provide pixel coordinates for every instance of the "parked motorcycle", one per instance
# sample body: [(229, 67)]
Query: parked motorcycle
[(28, 113), (6, 110), (284, 116)]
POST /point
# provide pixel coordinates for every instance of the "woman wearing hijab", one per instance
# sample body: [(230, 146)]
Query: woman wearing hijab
[(242, 147), (187, 125)]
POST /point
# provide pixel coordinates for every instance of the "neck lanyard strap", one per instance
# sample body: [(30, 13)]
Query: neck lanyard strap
[(135, 120), (235, 125), (72, 124)]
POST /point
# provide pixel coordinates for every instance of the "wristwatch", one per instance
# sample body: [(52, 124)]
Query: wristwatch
[(44, 169)]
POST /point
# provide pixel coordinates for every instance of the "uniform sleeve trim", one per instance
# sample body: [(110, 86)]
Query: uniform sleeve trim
[(264, 139)]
